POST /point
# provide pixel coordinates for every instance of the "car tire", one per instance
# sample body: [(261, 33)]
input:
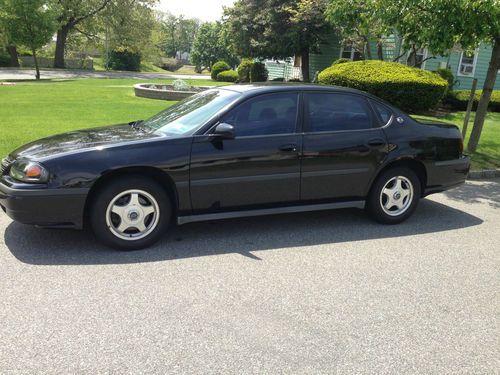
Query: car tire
[(130, 213), (394, 196)]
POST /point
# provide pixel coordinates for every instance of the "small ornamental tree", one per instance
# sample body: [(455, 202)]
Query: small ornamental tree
[(440, 25), (30, 23)]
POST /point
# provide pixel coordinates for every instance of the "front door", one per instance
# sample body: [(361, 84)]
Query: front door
[(259, 167), (343, 146)]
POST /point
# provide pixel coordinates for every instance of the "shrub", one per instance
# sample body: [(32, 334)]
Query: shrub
[(341, 61), (227, 76), (408, 88), (278, 79), (244, 70), (124, 59), (180, 85), (258, 72), (4, 60), (170, 64), (219, 66), (459, 99), (446, 74)]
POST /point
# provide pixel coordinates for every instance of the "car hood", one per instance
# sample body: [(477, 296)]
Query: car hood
[(80, 140)]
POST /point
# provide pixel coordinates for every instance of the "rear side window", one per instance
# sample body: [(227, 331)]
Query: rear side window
[(337, 112), (382, 111), (265, 115)]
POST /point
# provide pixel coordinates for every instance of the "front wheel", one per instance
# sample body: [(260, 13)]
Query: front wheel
[(394, 196), (130, 213)]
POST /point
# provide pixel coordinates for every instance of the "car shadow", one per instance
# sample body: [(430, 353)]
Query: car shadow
[(65, 247)]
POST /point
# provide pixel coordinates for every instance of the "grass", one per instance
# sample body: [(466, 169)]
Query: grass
[(31, 110), (487, 155)]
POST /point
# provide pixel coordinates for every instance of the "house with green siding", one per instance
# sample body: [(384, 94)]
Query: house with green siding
[(464, 66)]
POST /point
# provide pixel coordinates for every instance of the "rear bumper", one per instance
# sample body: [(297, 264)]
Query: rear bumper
[(43, 207), (444, 175)]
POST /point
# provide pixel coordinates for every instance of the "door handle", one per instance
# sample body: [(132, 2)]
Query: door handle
[(288, 148), (376, 142)]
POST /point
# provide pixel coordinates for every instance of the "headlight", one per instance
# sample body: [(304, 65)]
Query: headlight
[(28, 171)]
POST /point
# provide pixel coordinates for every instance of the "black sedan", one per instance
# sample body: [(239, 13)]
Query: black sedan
[(231, 152)]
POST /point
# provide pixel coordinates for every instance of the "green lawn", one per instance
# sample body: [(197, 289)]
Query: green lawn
[(31, 110)]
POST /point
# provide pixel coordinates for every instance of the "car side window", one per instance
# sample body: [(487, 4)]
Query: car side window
[(336, 112), (382, 111), (265, 115)]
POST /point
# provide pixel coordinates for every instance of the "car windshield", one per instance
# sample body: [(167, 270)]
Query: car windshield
[(186, 116)]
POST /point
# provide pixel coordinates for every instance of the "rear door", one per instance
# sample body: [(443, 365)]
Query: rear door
[(259, 167), (343, 146)]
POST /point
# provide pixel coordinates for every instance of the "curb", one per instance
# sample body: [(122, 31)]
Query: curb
[(484, 174)]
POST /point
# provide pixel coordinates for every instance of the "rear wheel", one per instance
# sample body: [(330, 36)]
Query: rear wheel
[(130, 213), (394, 196)]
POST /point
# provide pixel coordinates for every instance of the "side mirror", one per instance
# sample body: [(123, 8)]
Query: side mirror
[(224, 130)]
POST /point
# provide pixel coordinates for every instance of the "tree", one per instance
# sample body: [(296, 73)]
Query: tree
[(210, 45), (72, 13), (178, 33), (440, 25), (30, 23), (278, 29), (358, 22)]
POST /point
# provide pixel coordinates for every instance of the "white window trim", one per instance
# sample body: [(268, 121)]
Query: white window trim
[(474, 63), (406, 56), (353, 51)]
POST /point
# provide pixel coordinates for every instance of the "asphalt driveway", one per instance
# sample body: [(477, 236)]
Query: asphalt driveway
[(328, 292), (21, 74)]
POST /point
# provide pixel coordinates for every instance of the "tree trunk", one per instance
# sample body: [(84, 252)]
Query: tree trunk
[(62, 36), (482, 106), (14, 57), (37, 68), (367, 48), (304, 64), (380, 51)]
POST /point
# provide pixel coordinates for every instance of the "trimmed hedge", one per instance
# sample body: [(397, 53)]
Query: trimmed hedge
[(341, 61), (408, 88), (227, 76), (258, 72), (4, 60), (244, 70), (219, 66), (124, 59), (459, 99)]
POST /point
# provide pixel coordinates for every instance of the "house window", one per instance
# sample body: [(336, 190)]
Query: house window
[(349, 52), (417, 59), (467, 65)]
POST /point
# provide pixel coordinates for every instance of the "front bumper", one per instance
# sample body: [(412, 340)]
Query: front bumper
[(41, 206), (444, 175)]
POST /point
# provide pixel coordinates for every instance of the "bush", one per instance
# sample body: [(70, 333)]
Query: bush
[(446, 74), (458, 100), (180, 85), (4, 60), (341, 61), (227, 76), (278, 79), (258, 72), (219, 66), (408, 88), (170, 64), (124, 59), (244, 70)]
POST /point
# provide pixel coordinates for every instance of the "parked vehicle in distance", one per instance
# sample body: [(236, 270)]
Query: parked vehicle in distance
[(234, 151)]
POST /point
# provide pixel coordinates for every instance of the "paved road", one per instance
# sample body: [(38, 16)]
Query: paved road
[(327, 292), (8, 74)]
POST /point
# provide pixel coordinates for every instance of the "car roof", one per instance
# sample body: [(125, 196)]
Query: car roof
[(268, 87), (284, 86)]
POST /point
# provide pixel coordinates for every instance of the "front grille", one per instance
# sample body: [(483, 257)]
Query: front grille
[(4, 166)]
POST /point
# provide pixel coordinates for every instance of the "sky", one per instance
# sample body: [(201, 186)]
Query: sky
[(206, 10)]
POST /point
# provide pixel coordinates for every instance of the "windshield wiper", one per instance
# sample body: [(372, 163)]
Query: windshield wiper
[(136, 124)]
